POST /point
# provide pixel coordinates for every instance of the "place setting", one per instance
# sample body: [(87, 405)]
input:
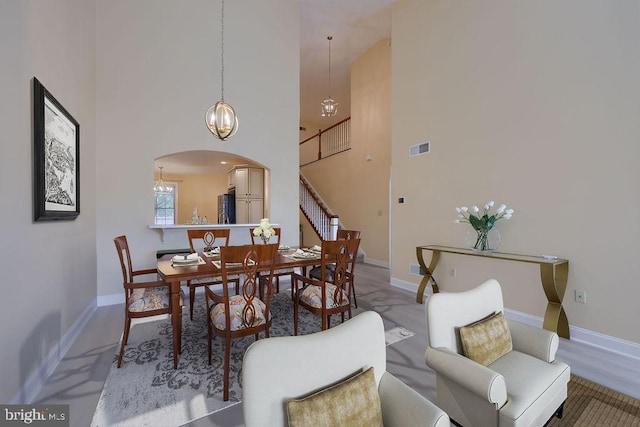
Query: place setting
[(307, 253), (211, 252), (187, 260)]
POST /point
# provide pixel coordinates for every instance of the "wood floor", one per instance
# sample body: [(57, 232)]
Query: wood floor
[(80, 376)]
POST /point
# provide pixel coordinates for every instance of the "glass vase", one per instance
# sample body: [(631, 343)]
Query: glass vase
[(483, 240), (265, 239)]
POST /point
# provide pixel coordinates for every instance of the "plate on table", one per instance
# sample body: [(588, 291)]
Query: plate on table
[(214, 252), (218, 264), (304, 255), (184, 260)]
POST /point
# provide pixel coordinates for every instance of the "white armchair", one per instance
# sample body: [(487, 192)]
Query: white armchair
[(276, 370), (525, 386)]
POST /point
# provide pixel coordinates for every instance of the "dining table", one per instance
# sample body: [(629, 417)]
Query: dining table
[(175, 273)]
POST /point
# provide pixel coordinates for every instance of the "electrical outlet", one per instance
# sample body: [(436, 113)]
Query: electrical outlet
[(581, 297), (452, 272)]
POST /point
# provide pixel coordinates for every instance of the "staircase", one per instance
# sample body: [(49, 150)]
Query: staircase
[(322, 220), (326, 143), (333, 140)]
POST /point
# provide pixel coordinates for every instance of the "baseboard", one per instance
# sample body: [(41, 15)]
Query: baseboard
[(603, 359), (411, 287), (38, 378), (376, 262)]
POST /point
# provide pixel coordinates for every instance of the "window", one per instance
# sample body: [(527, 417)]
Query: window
[(165, 205)]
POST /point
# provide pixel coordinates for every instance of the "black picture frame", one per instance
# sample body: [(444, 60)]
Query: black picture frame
[(56, 155)]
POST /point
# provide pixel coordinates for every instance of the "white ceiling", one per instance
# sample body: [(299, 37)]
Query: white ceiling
[(355, 26)]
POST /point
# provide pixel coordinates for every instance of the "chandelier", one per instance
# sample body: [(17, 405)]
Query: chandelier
[(221, 118), (161, 186), (329, 106)]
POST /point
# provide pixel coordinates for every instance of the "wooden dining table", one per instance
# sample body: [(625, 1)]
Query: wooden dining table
[(174, 275)]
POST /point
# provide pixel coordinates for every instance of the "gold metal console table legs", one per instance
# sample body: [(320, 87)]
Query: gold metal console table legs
[(428, 272), (554, 282), (554, 273)]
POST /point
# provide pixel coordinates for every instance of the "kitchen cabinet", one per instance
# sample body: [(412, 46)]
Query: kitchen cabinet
[(249, 182), (249, 211), (249, 190)]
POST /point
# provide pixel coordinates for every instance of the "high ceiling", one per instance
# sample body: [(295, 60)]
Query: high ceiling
[(355, 26)]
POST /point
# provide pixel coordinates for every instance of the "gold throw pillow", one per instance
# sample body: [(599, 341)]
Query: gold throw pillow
[(486, 340), (351, 402)]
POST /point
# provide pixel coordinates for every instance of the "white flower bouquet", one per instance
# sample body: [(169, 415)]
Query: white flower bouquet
[(483, 221), (264, 230)]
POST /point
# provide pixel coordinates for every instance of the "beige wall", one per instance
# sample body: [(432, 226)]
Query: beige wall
[(362, 197), (198, 191), (534, 104)]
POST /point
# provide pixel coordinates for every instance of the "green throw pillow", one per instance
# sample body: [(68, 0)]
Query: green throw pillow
[(352, 402), (486, 340)]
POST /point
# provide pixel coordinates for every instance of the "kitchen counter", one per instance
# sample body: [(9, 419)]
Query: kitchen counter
[(239, 232)]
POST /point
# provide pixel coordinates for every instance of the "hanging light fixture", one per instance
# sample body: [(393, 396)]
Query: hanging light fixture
[(329, 106), (221, 118), (161, 186)]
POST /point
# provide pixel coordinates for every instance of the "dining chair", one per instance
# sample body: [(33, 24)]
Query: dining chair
[(142, 299), (205, 240), (321, 296), (278, 272), (235, 316), (316, 271)]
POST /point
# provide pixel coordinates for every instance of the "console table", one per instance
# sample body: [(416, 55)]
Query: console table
[(553, 273)]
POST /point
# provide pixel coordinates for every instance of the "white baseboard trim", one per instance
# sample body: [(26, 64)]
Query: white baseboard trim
[(411, 287), (606, 360), (38, 378), (376, 262)]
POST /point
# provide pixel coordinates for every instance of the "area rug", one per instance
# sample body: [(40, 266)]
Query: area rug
[(147, 391), (396, 334), (592, 405)]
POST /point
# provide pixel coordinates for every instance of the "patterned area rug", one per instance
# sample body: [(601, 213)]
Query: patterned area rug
[(592, 405), (147, 391)]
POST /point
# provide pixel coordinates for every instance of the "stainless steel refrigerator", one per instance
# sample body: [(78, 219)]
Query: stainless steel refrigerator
[(227, 208)]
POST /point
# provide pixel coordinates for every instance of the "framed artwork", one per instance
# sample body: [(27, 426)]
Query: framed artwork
[(56, 154)]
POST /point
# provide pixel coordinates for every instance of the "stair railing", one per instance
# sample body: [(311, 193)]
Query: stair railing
[(323, 222), (333, 140)]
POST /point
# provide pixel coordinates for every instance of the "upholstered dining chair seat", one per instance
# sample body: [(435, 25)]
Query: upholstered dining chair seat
[(312, 295), (147, 299), (316, 272), (237, 305)]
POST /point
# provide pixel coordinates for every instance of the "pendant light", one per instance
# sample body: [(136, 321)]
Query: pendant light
[(221, 118), (161, 186), (329, 106)]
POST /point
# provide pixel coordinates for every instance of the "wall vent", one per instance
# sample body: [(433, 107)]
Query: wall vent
[(416, 269), (418, 149)]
